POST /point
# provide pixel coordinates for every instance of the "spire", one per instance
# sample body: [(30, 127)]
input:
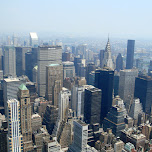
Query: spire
[(108, 48)]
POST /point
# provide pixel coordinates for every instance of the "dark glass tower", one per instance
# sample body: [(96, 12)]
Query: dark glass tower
[(114, 120), (104, 80), (119, 62), (92, 105), (143, 91), (130, 54)]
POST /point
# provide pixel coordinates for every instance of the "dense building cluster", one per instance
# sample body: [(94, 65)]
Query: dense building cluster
[(66, 98)]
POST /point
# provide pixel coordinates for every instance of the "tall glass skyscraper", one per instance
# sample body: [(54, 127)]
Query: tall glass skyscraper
[(130, 54)]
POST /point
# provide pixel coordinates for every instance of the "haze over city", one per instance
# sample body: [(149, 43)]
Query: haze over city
[(129, 19)]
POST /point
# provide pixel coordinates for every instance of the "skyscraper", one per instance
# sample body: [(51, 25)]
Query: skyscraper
[(33, 39), (47, 55), (26, 129), (64, 98), (114, 120), (143, 91), (80, 137), (130, 54), (9, 61), (68, 70), (127, 83), (54, 82), (104, 79), (92, 105), (20, 59), (101, 58), (10, 89), (107, 60), (119, 62), (14, 142)]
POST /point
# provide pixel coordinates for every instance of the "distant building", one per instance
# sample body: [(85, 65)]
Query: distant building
[(130, 54), (91, 78), (68, 70), (33, 39), (101, 58), (119, 62), (20, 60), (47, 55), (104, 80), (139, 64), (9, 61), (107, 60), (66, 56), (127, 83), (36, 122), (54, 82), (15, 139), (92, 105), (90, 67)]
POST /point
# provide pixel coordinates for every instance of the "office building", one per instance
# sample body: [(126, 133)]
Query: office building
[(54, 82), (33, 39), (36, 122), (104, 80), (143, 91), (47, 55), (127, 83), (66, 56), (90, 67), (139, 64), (150, 68), (80, 137), (9, 61), (54, 146), (107, 60), (26, 128), (20, 60), (68, 70), (114, 120), (119, 62), (130, 54), (14, 142), (92, 105), (10, 89), (101, 58), (30, 62), (64, 99), (135, 109), (77, 98), (91, 78)]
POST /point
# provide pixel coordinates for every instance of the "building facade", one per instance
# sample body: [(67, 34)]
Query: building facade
[(47, 55), (14, 142)]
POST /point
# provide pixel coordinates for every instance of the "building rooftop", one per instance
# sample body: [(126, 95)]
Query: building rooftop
[(11, 79), (22, 87), (54, 64), (33, 35)]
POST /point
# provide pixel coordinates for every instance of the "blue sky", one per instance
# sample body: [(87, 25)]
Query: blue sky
[(90, 17)]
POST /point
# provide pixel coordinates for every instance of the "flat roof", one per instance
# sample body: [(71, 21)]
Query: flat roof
[(33, 35)]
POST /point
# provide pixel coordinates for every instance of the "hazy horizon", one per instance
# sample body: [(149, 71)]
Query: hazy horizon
[(129, 19)]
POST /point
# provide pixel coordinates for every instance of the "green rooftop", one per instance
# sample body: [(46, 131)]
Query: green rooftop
[(22, 87)]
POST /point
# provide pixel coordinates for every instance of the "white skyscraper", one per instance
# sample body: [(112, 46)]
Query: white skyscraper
[(33, 39), (47, 55), (64, 98), (107, 60), (9, 61), (14, 131)]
